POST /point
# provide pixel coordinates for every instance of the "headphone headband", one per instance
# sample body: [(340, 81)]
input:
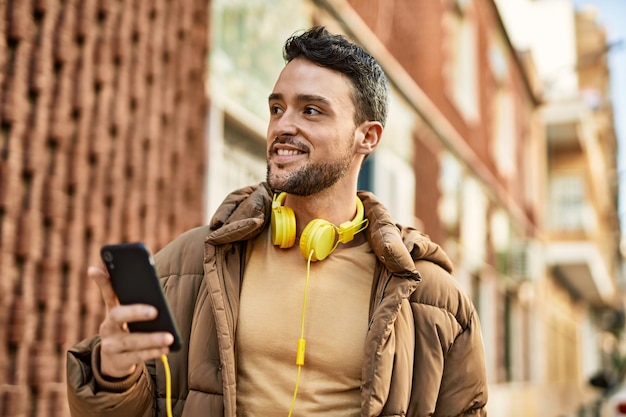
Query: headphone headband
[(319, 236)]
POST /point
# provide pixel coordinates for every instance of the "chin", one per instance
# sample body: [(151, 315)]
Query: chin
[(276, 183), (279, 176)]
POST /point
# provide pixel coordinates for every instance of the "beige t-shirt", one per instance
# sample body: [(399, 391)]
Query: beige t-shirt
[(269, 326)]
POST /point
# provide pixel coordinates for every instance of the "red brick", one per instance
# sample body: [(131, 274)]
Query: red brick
[(86, 83), (42, 363), (15, 399), (19, 20)]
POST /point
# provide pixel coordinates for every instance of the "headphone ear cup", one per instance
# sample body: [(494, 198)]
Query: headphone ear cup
[(283, 227), (318, 236)]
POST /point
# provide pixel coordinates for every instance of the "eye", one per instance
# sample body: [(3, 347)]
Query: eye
[(275, 109), (311, 111)]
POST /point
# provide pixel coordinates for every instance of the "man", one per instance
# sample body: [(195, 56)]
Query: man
[(387, 330)]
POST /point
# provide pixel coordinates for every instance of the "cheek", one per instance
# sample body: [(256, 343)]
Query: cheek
[(268, 133)]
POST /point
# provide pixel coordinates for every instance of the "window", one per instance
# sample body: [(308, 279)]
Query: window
[(473, 224), (504, 138), (236, 157), (568, 207), (394, 185), (462, 71), (245, 56), (450, 184)]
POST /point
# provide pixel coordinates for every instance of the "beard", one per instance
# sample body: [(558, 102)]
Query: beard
[(311, 178)]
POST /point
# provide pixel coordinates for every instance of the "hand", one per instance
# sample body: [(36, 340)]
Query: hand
[(120, 350)]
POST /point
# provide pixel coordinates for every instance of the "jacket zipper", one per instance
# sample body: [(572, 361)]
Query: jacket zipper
[(221, 256), (379, 302)]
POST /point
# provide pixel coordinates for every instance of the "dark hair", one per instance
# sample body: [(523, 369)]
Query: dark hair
[(335, 52)]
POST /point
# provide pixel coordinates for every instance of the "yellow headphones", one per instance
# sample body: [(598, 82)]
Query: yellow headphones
[(320, 236)]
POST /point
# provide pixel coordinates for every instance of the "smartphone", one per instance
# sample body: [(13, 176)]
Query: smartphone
[(135, 280)]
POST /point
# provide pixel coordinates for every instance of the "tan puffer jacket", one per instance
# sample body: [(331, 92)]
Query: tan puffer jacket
[(424, 351)]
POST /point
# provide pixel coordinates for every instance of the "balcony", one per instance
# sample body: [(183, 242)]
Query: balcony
[(579, 195), (581, 268)]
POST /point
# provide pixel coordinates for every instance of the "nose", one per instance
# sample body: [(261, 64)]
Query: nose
[(283, 124)]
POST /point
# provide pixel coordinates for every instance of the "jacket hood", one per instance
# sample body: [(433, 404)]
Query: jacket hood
[(402, 246), (244, 213)]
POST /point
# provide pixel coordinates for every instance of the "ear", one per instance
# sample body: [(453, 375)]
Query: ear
[(368, 137)]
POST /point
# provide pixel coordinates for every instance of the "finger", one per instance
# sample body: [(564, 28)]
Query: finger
[(136, 342), (117, 317), (120, 354), (123, 364), (101, 278), (131, 313)]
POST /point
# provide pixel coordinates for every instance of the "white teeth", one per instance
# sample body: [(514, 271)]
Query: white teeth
[(285, 152)]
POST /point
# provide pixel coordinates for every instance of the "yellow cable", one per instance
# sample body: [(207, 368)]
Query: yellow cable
[(301, 341), (168, 386)]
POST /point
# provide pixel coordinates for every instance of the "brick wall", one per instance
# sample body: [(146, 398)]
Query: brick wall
[(102, 109)]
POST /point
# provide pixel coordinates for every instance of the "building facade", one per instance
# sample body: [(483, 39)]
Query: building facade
[(472, 156), (581, 224)]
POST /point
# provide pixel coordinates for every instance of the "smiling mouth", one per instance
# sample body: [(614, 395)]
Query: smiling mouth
[(288, 152), (288, 148)]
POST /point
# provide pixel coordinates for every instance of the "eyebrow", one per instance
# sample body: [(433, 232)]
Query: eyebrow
[(301, 98)]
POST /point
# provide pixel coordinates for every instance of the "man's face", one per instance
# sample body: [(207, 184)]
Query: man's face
[(311, 132)]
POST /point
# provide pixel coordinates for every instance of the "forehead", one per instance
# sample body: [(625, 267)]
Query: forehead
[(303, 77)]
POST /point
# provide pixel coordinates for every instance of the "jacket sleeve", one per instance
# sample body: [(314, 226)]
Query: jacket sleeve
[(90, 395), (450, 376), (464, 380)]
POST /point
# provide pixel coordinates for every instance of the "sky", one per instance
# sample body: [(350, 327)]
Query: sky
[(612, 15)]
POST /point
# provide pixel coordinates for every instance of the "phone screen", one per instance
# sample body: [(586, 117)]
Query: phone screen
[(135, 280)]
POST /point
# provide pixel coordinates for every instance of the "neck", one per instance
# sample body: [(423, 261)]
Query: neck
[(335, 207)]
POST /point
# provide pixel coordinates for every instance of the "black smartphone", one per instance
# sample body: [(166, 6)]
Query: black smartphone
[(135, 281)]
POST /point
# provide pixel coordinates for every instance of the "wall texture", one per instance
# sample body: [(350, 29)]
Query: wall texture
[(102, 109)]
